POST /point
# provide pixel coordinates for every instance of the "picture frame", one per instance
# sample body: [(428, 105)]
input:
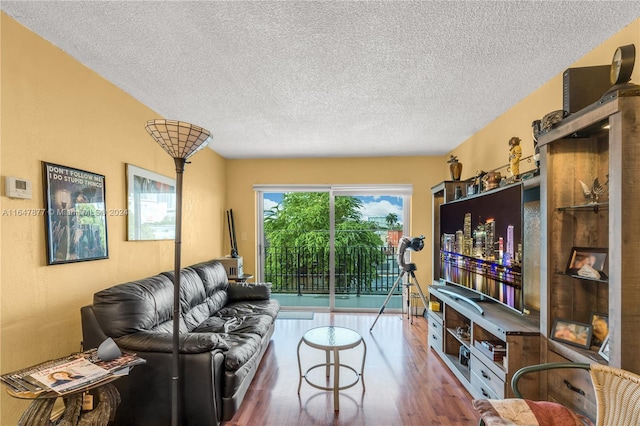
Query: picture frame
[(572, 332), (600, 328), (604, 349), (75, 214), (588, 263), (151, 205)]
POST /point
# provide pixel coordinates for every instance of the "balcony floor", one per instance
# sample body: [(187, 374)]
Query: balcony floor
[(363, 303)]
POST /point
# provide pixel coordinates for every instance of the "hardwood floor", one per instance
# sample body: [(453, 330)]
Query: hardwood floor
[(406, 383)]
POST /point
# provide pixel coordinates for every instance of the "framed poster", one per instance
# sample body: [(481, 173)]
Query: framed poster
[(75, 220), (151, 205)]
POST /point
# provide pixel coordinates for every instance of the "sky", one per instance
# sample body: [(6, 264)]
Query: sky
[(371, 205)]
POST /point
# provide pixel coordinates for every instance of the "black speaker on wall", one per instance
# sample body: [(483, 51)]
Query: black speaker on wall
[(583, 86)]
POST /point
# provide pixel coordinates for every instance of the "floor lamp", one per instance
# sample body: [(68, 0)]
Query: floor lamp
[(181, 140)]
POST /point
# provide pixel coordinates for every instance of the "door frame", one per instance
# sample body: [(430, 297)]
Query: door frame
[(404, 190)]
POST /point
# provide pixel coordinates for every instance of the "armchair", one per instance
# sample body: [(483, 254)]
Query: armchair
[(617, 395)]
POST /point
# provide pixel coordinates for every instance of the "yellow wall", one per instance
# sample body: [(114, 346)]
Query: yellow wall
[(56, 110), (488, 149)]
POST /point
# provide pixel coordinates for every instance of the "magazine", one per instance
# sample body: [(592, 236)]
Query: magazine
[(33, 381), (70, 375)]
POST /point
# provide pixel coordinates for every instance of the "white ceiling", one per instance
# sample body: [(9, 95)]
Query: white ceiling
[(327, 78)]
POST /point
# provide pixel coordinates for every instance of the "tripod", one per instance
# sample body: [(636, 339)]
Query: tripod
[(409, 269)]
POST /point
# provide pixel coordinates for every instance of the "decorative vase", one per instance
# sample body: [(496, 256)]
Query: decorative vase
[(456, 170), (492, 180)]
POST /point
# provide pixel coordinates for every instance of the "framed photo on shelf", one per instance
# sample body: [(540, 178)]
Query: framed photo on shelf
[(588, 262), (572, 332), (151, 205), (600, 326), (604, 349), (75, 219)]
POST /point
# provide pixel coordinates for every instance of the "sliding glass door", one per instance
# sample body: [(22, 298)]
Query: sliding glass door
[(295, 248), (332, 247)]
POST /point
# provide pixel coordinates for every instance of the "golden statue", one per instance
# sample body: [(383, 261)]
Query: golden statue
[(515, 152)]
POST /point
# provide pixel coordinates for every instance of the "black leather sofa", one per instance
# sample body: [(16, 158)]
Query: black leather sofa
[(225, 328)]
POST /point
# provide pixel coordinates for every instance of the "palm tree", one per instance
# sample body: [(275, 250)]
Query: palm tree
[(391, 219)]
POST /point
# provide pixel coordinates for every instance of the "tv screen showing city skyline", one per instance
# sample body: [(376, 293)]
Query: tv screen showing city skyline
[(481, 244)]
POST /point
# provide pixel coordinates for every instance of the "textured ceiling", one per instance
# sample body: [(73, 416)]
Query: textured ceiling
[(328, 79)]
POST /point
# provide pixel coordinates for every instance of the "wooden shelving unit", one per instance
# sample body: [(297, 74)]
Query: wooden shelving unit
[(600, 141)]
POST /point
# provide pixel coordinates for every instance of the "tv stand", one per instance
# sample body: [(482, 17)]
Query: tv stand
[(457, 296), (482, 347)]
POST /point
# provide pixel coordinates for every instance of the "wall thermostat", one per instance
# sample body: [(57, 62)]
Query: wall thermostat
[(17, 188)]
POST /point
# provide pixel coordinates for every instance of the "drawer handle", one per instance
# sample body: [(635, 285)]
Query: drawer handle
[(484, 393), (573, 388), (485, 375), (434, 336)]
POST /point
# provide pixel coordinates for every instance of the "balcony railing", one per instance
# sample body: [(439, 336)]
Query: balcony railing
[(358, 270)]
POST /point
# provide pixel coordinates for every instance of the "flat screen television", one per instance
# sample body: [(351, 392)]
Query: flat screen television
[(481, 245)]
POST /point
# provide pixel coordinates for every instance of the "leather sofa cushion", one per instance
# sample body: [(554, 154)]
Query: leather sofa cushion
[(211, 325), (249, 323), (265, 307), (249, 291), (252, 324), (213, 276), (135, 306), (199, 301), (242, 347)]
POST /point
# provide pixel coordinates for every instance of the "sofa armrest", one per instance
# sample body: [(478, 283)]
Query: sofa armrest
[(249, 291), (190, 343)]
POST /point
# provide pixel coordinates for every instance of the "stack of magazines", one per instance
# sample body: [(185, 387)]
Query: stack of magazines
[(68, 374)]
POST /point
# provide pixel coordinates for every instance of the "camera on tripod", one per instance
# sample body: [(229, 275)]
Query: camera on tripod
[(413, 244)]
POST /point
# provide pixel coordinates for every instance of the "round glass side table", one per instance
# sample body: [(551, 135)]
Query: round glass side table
[(332, 339)]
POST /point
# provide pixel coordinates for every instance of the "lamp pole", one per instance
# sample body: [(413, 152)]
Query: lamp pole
[(175, 356), (180, 140)]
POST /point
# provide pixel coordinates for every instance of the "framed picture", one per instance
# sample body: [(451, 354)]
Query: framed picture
[(588, 262), (604, 349), (600, 327), (151, 205), (574, 333), (75, 220)]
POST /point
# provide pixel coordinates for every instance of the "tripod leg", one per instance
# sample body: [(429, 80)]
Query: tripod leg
[(408, 286), (422, 296), (384, 305)]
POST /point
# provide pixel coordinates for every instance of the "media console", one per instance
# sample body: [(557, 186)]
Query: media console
[(483, 346), (457, 296)]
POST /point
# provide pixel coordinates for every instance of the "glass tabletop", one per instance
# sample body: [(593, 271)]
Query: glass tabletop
[(331, 337)]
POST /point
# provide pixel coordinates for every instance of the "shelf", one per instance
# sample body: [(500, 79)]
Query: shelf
[(595, 207), (465, 342), (438, 314), (575, 353), (463, 369), (578, 277)]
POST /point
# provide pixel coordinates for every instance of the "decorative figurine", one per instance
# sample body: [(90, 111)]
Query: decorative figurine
[(455, 167), (476, 185), (515, 153), (535, 131), (491, 180), (593, 193)]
